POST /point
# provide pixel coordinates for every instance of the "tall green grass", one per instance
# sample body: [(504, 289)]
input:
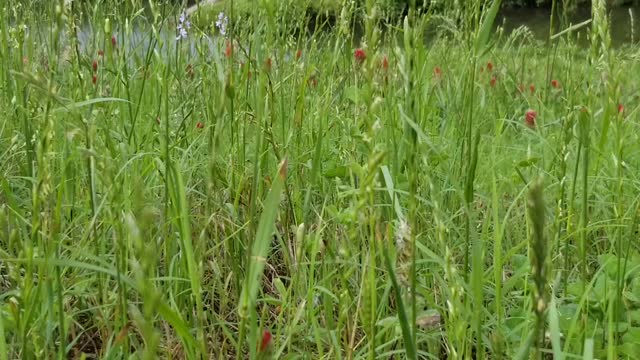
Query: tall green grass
[(204, 191)]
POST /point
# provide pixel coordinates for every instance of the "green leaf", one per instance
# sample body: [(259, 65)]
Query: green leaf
[(529, 162), (352, 93), (262, 243), (630, 346), (3, 343), (182, 217), (81, 104), (554, 330), (487, 25), (587, 354), (391, 190), (336, 171), (402, 315)]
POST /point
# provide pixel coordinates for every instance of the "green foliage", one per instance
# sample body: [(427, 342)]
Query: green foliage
[(144, 213)]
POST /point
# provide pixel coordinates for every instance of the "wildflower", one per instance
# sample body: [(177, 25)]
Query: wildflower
[(267, 64), (437, 73), (228, 51), (267, 339), (489, 66), (298, 54), (385, 63), (200, 125), (183, 25), (620, 108), (313, 81), (222, 23), (532, 89), (530, 118), (555, 83), (94, 79), (94, 65), (493, 80), (113, 41), (101, 53), (360, 55)]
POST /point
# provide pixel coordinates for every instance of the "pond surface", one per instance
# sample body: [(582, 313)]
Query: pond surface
[(537, 20)]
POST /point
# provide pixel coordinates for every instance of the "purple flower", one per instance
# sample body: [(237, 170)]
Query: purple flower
[(221, 23), (183, 25)]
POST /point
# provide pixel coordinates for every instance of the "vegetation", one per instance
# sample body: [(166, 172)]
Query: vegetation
[(248, 189)]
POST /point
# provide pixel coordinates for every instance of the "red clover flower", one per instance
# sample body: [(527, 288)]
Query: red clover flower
[(360, 55)]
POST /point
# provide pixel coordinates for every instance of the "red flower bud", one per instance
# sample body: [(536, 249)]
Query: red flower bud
[(437, 73), (228, 51), (530, 118), (267, 339), (359, 55)]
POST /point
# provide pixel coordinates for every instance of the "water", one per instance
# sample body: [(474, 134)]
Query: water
[(537, 20)]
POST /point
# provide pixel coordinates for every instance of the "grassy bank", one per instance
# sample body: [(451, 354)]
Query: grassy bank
[(254, 194)]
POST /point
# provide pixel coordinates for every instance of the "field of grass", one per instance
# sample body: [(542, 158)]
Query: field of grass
[(263, 192)]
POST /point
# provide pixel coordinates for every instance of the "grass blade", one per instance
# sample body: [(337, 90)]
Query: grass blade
[(260, 251), (409, 346), (487, 26), (181, 210), (261, 245), (554, 330)]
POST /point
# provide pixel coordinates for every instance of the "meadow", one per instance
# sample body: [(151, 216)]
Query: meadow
[(232, 184)]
